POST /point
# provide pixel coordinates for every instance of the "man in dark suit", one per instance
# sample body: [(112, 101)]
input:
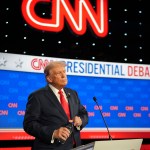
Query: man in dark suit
[(45, 118)]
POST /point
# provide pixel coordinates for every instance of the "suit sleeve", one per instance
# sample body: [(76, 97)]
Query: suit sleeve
[(31, 123)]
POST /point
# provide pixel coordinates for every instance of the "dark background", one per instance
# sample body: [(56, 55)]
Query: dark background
[(124, 40)]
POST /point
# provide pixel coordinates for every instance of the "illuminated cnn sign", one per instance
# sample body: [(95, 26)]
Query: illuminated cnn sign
[(77, 17)]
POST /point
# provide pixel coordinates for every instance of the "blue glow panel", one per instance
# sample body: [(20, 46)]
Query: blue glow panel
[(125, 103)]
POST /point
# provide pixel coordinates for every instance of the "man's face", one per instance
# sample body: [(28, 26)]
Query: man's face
[(57, 77)]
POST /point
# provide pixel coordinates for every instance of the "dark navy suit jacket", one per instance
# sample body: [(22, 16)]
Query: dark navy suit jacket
[(44, 114)]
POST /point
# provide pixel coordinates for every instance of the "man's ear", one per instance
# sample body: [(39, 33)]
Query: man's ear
[(49, 79)]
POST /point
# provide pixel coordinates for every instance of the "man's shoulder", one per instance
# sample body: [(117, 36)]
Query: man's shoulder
[(70, 90), (40, 90)]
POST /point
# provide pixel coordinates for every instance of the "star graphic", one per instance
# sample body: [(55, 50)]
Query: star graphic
[(19, 63), (3, 61)]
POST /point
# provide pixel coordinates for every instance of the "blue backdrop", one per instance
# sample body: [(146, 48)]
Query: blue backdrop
[(114, 95)]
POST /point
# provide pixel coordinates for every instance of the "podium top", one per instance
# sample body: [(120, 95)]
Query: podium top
[(127, 144), (89, 146)]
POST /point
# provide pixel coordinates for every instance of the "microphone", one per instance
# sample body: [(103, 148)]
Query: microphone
[(110, 138)]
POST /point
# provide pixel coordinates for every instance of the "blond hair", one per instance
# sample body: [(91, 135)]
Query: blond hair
[(52, 65)]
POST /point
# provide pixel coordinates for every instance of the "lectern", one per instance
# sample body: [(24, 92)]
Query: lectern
[(127, 144)]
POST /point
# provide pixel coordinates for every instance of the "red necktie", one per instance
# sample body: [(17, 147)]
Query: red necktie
[(64, 104)]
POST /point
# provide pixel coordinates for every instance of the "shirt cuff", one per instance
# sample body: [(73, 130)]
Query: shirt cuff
[(78, 128), (52, 140)]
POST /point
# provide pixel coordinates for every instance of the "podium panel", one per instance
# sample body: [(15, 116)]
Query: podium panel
[(127, 144)]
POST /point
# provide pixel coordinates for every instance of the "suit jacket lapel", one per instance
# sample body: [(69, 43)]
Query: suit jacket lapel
[(52, 97), (70, 100)]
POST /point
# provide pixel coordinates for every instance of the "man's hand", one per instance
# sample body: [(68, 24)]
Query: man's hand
[(77, 122), (61, 134)]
